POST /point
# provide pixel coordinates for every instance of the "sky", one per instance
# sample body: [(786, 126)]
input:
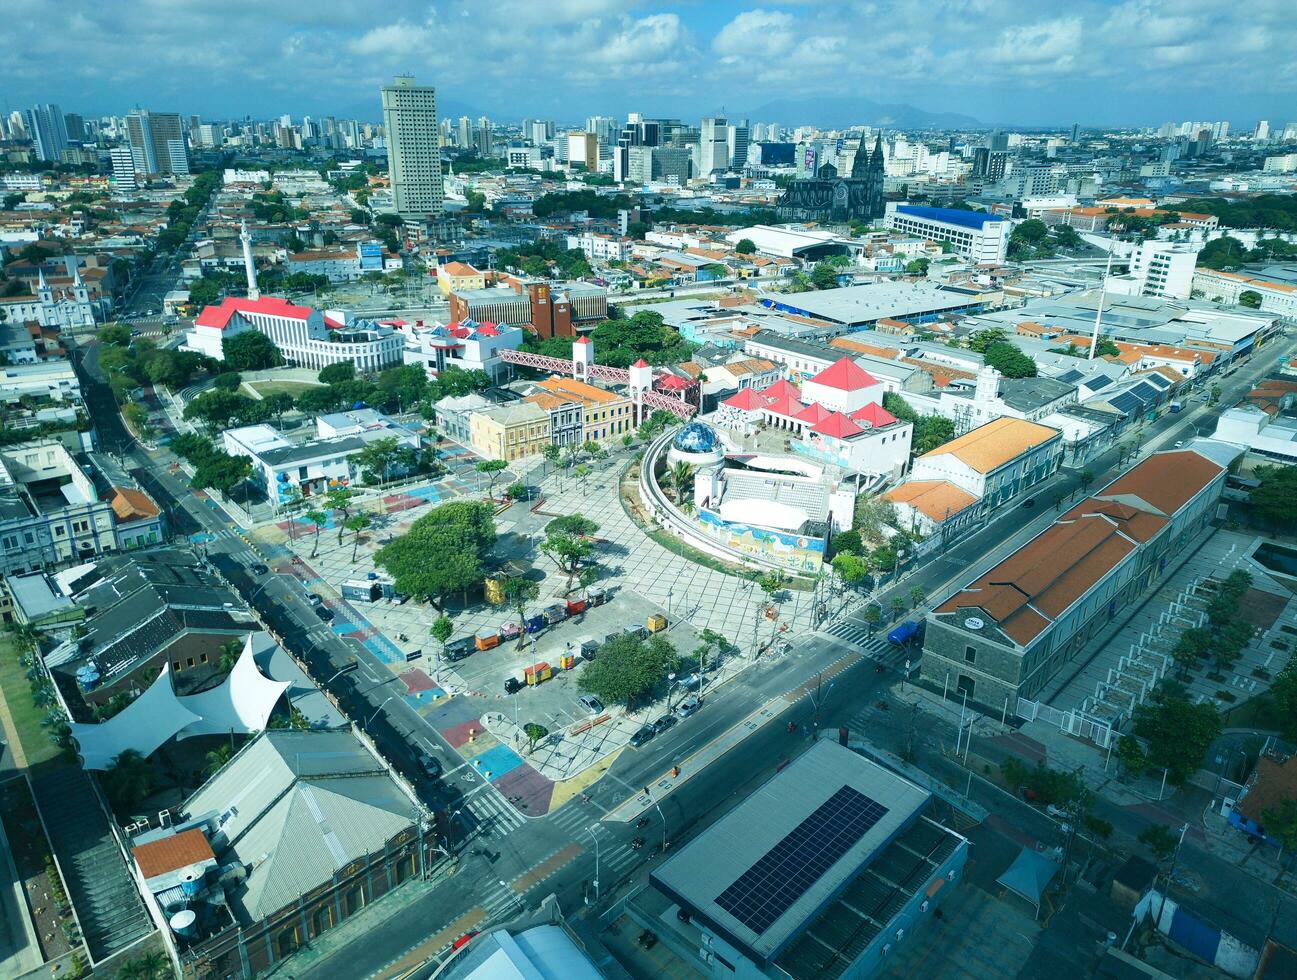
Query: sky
[(1025, 62)]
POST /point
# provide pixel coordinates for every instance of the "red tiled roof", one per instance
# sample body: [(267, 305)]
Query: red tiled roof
[(782, 388), (838, 426), (673, 383), (219, 316), (1165, 481), (845, 375), (784, 405), (745, 400), (874, 414), (172, 853), (641, 363), (813, 413), (582, 340)]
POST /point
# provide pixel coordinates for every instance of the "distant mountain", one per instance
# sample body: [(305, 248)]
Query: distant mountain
[(849, 111)]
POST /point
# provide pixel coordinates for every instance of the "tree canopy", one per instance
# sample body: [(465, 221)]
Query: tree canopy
[(443, 552), (250, 350), (1275, 500), (1009, 361), (628, 668), (1177, 731)]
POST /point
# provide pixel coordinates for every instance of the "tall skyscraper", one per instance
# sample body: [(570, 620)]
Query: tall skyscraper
[(713, 146), (1262, 131), (464, 139), (123, 163), (413, 152), (738, 138), (47, 131), (75, 127), (158, 142)]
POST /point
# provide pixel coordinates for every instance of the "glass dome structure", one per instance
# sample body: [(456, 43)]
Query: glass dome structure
[(697, 438)]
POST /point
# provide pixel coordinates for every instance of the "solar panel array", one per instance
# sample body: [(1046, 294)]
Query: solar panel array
[(783, 874)]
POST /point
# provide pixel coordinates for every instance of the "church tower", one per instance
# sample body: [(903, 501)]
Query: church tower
[(43, 292), (874, 180), (860, 162)]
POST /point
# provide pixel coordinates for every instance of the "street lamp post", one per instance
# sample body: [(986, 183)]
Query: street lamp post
[(657, 806), (371, 718)]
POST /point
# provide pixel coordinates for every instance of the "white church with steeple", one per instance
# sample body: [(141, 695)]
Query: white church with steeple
[(67, 305)]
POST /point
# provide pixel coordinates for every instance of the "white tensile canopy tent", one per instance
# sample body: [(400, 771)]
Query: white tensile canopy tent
[(241, 704)]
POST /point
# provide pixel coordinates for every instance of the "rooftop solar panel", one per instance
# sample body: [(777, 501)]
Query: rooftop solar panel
[(783, 874)]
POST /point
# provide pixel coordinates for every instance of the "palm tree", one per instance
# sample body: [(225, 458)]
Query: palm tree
[(872, 616), (319, 518), (581, 472), (917, 595), (152, 965), (355, 525), (128, 780), (230, 651), (217, 758), (680, 475)]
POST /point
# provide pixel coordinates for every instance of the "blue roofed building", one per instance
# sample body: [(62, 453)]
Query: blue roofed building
[(982, 238)]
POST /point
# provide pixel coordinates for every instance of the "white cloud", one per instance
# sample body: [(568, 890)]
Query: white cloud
[(755, 34)]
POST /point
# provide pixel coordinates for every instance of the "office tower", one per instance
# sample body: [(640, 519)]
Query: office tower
[(603, 127), (152, 135), (447, 130), (210, 136), (713, 145), (47, 131), (286, 120), (1262, 131), (123, 164), (542, 131), (483, 142), (464, 135), (75, 127), (583, 148), (1076, 128), (17, 126), (737, 137), (413, 153)]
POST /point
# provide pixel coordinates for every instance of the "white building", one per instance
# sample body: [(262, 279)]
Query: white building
[(1226, 287), (982, 238), (598, 247), (42, 382), (993, 397), (468, 345), (1158, 268), (305, 336), (64, 307), (1274, 437), (843, 386), (289, 472)]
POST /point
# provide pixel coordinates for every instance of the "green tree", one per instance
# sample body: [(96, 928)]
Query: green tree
[(443, 552), (441, 630), (250, 350), (552, 453), (1281, 824), (520, 593), (534, 733), (918, 267), (317, 518), (824, 276), (355, 524), (983, 339), (217, 758), (771, 582), (917, 596), (745, 246), (568, 542), (1177, 731), (1009, 361), (1225, 253), (851, 568), (340, 371), (681, 477), (1191, 647), (1086, 480), (127, 781), (1250, 298), (491, 468), (628, 668), (1160, 839), (221, 472), (1275, 499), (377, 458), (873, 615), (339, 499), (898, 607), (114, 335), (1283, 695)]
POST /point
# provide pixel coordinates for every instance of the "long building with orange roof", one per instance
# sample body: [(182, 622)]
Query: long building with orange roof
[(1011, 628)]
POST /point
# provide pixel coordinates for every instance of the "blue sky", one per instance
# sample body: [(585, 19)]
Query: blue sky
[(1099, 62)]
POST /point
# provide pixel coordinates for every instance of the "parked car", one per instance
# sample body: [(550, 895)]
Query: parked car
[(1029, 503), (592, 704), (693, 681), (664, 723), (643, 735), (430, 765), (325, 613), (259, 568), (688, 706), (512, 685), (460, 648), (314, 598)]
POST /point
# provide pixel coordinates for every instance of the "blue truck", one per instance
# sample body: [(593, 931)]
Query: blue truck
[(905, 634)]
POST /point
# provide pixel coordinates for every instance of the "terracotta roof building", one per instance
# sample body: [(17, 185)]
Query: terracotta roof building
[(1013, 627)]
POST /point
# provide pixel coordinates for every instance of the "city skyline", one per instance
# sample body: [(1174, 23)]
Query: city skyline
[(1134, 63)]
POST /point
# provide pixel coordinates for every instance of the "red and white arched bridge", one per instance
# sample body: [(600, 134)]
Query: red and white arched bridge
[(638, 380)]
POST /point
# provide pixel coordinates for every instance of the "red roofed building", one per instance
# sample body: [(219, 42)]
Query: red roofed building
[(304, 336), (1007, 632), (843, 386)]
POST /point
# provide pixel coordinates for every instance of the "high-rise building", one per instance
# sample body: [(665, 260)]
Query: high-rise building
[(737, 138), (542, 131), (47, 131), (75, 127), (1262, 131), (482, 141), (464, 136), (157, 142), (123, 164), (413, 152), (583, 148), (713, 145)]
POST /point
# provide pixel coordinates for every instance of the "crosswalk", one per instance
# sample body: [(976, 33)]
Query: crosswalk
[(491, 815), (853, 631)]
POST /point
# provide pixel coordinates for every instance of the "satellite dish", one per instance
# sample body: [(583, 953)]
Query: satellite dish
[(973, 623)]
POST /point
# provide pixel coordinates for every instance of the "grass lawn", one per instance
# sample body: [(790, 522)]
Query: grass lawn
[(26, 716), (294, 388)]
